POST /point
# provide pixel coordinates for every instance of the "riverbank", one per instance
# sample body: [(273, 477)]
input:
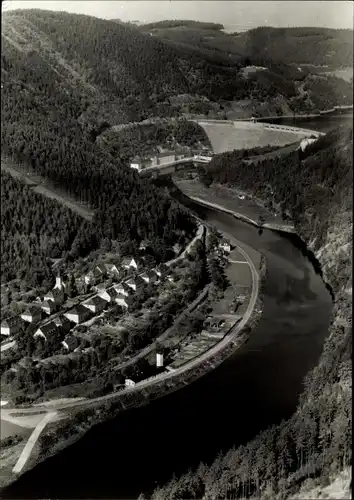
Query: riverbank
[(234, 202)]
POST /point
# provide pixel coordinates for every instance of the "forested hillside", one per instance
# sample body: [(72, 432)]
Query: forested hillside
[(35, 229), (314, 46), (315, 190), (44, 98), (131, 140)]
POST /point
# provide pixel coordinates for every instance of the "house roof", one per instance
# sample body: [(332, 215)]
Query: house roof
[(71, 341), (147, 274), (61, 320), (123, 286), (48, 328), (123, 297), (95, 301), (110, 265), (48, 303), (112, 292), (127, 260), (137, 280), (54, 293), (32, 310), (9, 322), (79, 309)]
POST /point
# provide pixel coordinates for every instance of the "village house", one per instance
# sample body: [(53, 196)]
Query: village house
[(48, 306), (94, 276), (46, 330), (59, 284), (112, 269), (70, 343), (78, 314), (32, 315), (135, 284), (124, 301), (130, 263), (96, 304), (123, 289), (161, 270), (108, 295), (62, 322), (11, 326), (225, 246), (55, 295), (148, 276)]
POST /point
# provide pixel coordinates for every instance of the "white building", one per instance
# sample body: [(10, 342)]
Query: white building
[(129, 262), (78, 314), (129, 382), (10, 326), (46, 330), (48, 306), (159, 360), (124, 301), (32, 315), (96, 304)]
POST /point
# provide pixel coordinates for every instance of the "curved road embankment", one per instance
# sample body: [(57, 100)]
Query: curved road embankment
[(275, 227)]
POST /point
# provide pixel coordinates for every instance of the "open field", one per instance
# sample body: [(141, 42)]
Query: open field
[(41, 185), (227, 137)]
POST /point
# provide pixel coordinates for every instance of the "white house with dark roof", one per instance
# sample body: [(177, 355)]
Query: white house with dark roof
[(32, 315), (123, 289), (130, 263), (95, 304), (108, 295), (70, 342), (136, 283), (148, 276), (11, 326), (78, 314), (48, 306), (112, 269), (225, 246), (94, 276), (124, 301), (55, 295), (62, 322), (45, 331)]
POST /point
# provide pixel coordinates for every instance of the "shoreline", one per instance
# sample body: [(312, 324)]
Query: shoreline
[(268, 225)]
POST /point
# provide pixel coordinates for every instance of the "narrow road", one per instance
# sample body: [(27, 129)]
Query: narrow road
[(27, 450)]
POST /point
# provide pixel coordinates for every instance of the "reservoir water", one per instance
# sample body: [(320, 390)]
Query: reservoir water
[(258, 386)]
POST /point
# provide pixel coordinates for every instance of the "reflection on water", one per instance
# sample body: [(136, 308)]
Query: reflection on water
[(258, 386)]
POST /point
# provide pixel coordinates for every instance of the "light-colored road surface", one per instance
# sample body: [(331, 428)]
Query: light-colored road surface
[(26, 452)]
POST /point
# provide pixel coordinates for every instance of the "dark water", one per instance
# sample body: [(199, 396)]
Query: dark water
[(257, 387), (321, 124)]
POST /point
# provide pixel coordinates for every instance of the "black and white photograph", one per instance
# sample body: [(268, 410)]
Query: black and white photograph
[(176, 250)]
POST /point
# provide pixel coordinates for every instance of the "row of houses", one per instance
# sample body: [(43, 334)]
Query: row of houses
[(121, 294)]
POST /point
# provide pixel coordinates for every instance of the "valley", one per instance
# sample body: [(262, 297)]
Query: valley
[(155, 183)]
